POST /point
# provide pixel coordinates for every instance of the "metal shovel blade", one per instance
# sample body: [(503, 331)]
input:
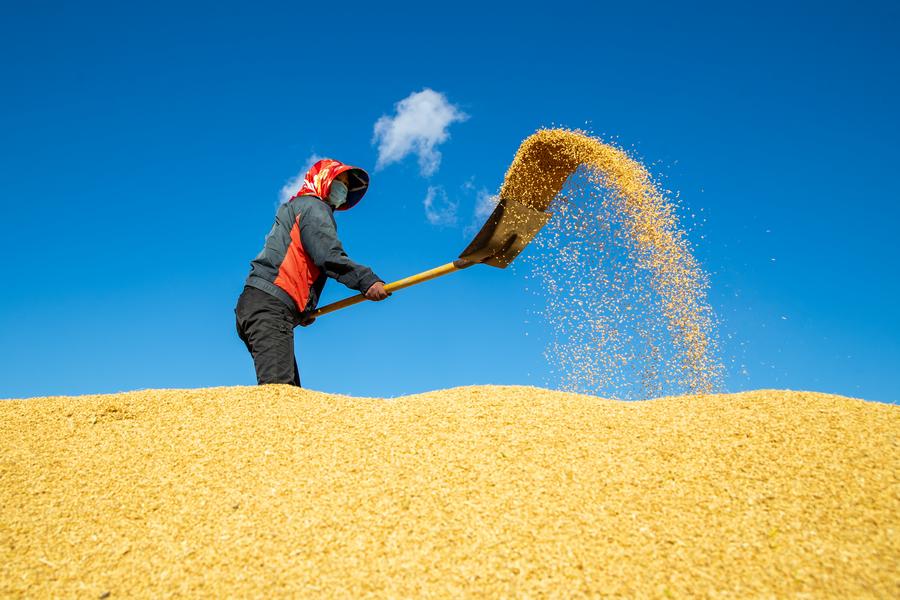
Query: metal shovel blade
[(505, 234)]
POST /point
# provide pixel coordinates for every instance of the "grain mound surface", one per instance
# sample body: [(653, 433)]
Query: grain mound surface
[(496, 491)]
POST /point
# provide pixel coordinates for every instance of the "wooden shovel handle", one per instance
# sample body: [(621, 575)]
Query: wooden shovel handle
[(451, 267)]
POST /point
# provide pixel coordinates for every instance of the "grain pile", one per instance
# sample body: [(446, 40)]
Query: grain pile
[(494, 491), (624, 298)]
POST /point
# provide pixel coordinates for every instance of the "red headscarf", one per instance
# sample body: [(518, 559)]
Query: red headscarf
[(319, 177)]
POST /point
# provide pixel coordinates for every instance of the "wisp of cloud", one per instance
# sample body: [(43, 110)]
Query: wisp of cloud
[(439, 209), (292, 186)]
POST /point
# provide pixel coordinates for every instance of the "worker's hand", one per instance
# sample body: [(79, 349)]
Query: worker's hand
[(307, 321), (376, 292)]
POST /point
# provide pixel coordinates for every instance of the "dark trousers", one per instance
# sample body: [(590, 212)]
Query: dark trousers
[(266, 326)]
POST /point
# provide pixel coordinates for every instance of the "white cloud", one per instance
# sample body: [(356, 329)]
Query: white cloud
[(419, 126), (439, 209), (293, 184), (484, 204)]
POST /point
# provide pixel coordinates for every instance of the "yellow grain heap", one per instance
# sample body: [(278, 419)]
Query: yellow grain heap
[(632, 324), (274, 491)]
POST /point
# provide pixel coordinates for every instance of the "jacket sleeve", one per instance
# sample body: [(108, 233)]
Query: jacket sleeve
[(319, 236)]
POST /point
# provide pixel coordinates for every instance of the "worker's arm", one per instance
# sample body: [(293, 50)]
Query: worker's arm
[(319, 237)]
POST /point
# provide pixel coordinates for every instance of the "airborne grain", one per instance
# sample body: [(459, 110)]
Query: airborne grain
[(624, 297)]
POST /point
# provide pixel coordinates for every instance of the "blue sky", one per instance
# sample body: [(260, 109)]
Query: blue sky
[(144, 148)]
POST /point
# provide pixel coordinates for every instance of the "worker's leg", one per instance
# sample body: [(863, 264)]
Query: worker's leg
[(265, 325)]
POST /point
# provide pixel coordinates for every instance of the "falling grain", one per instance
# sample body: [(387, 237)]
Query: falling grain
[(623, 295)]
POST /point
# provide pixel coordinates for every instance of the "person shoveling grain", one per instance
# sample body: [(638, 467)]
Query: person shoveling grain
[(300, 253)]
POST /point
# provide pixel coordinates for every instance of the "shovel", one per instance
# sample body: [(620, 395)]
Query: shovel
[(507, 231)]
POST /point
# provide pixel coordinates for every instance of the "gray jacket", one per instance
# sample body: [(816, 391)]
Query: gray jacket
[(300, 252)]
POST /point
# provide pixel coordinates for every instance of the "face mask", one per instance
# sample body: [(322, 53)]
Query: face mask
[(338, 194)]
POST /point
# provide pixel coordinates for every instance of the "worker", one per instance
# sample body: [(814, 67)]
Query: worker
[(300, 252)]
